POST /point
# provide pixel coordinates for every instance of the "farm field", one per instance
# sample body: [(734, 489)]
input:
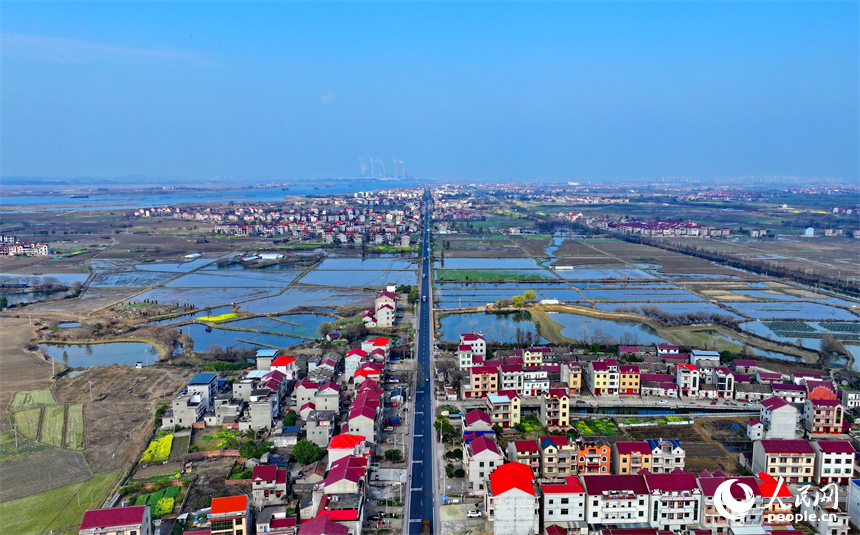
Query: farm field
[(75, 427), (52, 425), (27, 398), (55, 509), (27, 422)]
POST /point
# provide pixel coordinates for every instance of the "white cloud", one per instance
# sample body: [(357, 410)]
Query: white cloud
[(62, 50), (328, 98)]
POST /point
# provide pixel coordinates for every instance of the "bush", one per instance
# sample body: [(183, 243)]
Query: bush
[(163, 507), (142, 499), (172, 491), (393, 455), (459, 473), (158, 450)]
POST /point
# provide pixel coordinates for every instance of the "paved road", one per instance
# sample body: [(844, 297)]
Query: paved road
[(422, 490)]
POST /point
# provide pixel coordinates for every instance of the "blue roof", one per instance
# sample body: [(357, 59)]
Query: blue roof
[(203, 378), (267, 352), (856, 482), (653, 442), (256, 374), (292, 429)]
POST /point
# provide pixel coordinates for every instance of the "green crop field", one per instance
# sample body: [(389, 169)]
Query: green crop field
[(52, 425), (27, 422), (55, 509), (28, 398), (462, 275), (75, 427)]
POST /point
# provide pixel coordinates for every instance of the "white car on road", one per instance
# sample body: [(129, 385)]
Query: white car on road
[(473, 514)]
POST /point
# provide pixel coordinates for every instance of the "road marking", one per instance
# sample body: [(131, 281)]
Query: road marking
[(413, 462), (415, 520), (417, 489), (417, 436), (419, 413)]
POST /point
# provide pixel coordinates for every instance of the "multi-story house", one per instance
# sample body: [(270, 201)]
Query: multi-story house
[(571, 373), (851, 399), (790, 392), (744, 366), (535, 381), (676, 501), (630, 457), (533, 356), (346, 445), (135, 520), (834, 461), (823, 416), (525, 452), (602, 377), (688, 380), (714, 521), (478, 420), (504, 408), (229, 516), (511, 377), (594, 455), (724, 380), (563, 503), (821, 390), (481, 459), (555, 409), (206, 385), (512, 503), (616, 501), (269, 484), (698, 356), (853, 501), (483, 380), (793, 460), (558, 457), (320, 427), (628, 380), (779, 418), (824, 518), (666, 455), (464, 356), (477, 341), (322, 525)]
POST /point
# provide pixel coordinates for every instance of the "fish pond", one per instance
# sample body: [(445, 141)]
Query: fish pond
[(498, 328), (86, 355)]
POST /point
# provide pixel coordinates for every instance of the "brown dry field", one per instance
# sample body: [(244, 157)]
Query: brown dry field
[(41, 471), (593, 261), (574, 248), (483, 252), (19, 369)]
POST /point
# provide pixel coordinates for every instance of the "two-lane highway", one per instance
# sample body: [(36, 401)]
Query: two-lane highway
[(421, 485)]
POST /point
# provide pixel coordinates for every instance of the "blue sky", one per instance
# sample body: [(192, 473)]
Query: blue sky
[(478, 91)]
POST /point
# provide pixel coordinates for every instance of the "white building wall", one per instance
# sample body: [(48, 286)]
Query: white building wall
[(516, 513)]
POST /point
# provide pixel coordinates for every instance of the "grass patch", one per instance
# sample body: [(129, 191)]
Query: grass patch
[(29, 398), (75, 427), (27, 422), (8, 450), (52, 425), (55, 509), (222, 317)]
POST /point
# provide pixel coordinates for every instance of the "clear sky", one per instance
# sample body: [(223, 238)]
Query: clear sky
[(483, 91)]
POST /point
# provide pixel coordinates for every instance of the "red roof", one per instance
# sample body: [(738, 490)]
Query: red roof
[(483, 443), (786, 446), (835, 446), (357, 351), (596, 484), (464, 347), (526, 445), (116, 516), (768, 486), (266, 472), (345, 442), (674, 482), (774, 403), (230, 504), (632, 447), (709, 486), (469, 337), (380, 342), (283, 361), (573, 486), (322, 525), (477, 415), (511, 476), (478, 370)]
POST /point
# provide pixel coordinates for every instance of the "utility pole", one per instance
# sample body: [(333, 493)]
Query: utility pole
[(90, 383)]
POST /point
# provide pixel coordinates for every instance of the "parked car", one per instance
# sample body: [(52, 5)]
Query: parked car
[(388, 428), (376, 516), (713, 403), (579, 401), (662, 402), (473, 514)]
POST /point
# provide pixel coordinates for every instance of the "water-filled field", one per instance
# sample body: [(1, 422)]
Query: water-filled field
[(86, 355)]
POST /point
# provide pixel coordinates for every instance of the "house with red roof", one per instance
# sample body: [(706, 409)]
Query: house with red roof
[(286, 365), (776, 498), (477, 341), (482, 456), (713, 520), (303, 393), (512, 501), (631, 457), (755, 429), (823, 416), (688, 380), (363, 421), (779, 418), (322, 525), (464, 356), (345, 445), (834, 461), (381, 342), (675, 501), (352, 361), (367, 370), (384, 307), (555, 409), (268, 484), (229, 515), (629, 380), (483, 380), (558, 456), (794, 460), (563, 503), (617, 500), (123, 520), (478, 420), (275, 521), (504, 408), (602, 377), (347, 475), (821, 390), (327, 397), (525, 452)]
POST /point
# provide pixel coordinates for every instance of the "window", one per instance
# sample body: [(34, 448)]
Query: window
[(564, 511), (481, 464)]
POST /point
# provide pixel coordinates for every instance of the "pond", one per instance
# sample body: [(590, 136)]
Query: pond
[(314, 297), (86, 355), (488, 263), (68, 325), (579, 327), (359, 278), (203, 338), (204, 297), (30, 280), (498, 328), (180, 267), (640, 295), (306, 324), (792, 310), (234, 279), (600, 274), (215, 311), (127, 279), (370, 263), (762, 294), (672, 308)]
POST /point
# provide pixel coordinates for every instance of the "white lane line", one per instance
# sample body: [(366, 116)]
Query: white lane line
[(417, 436), (415, 462)]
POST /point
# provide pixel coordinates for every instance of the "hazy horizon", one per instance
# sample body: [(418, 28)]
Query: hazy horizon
[(489, 92)]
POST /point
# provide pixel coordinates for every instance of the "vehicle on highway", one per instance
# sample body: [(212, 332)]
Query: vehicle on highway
[(662, 402), (426, 379), (424, 298), (424, 276), (580, 402), (388, 428), (473, 514)]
